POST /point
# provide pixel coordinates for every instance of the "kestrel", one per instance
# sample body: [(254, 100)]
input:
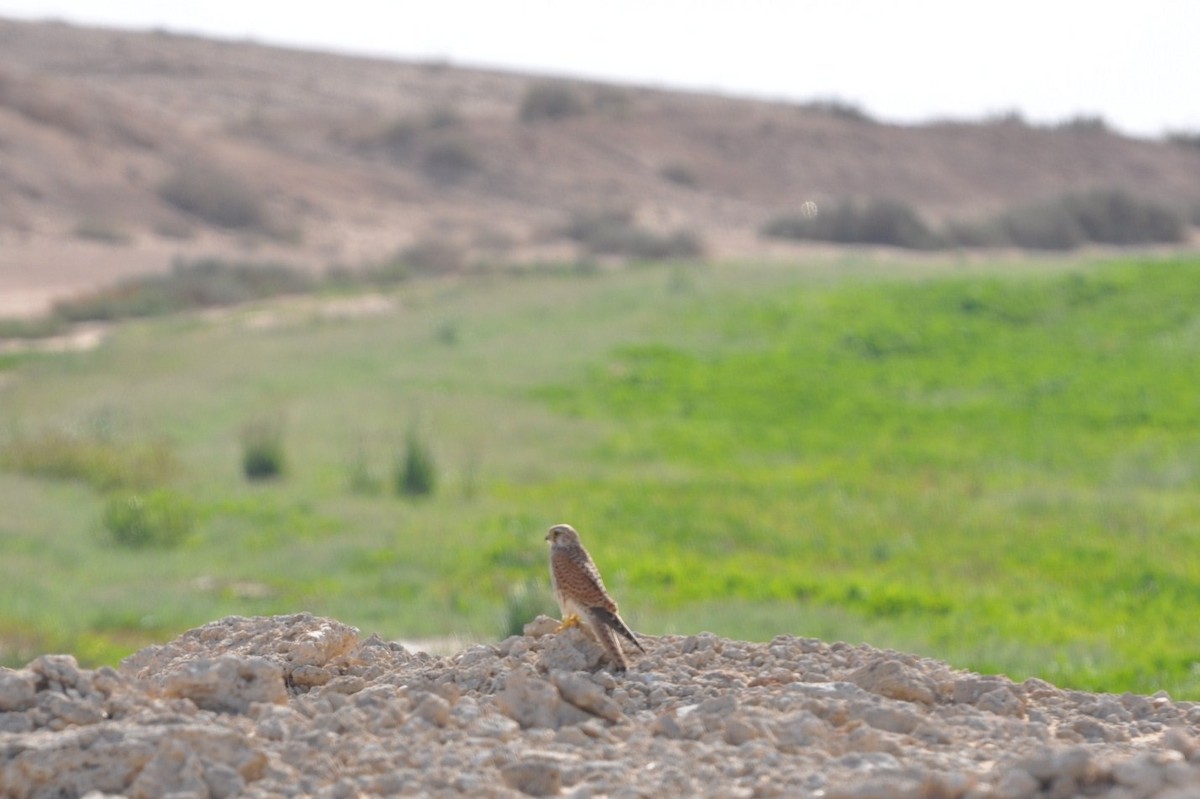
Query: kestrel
[(581, 594)]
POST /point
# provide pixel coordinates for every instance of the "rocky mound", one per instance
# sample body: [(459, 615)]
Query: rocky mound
[(301, 706)]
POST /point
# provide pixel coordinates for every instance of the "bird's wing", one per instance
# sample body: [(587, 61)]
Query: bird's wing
[(581, 579)]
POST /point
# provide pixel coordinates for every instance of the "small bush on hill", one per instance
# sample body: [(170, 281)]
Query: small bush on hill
[(1182, 138), (401, 137), (841, 109), (450, 159), (550, 100), (883, 221), (101, 231), (680, 175), (218, 197), (433, 256), (976, 234), (1085, 123), (200, 284), (1117, 217), (1101, 217), (1048, 226), (612, 231)]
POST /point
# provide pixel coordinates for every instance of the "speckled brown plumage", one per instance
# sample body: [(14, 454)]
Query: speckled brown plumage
[(581, 593)]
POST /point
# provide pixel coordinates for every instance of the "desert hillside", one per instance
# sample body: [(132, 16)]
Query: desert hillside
[(123, 149), (303, 706)]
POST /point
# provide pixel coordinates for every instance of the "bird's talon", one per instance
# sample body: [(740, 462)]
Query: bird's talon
[(572, 620)]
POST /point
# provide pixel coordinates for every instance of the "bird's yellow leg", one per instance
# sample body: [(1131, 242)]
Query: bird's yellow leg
[(571, 620)]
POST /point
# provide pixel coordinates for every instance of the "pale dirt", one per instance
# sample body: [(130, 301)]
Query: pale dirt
[(92, 122), (304, 706)]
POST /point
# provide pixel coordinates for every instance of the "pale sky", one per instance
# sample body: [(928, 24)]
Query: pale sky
[(1134, 64)]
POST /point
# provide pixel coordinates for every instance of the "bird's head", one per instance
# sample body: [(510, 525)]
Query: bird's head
[(562, 534)]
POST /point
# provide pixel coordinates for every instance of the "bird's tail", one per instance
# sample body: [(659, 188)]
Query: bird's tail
[(610, 619)]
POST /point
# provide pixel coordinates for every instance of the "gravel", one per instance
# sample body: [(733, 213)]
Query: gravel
[(304, 706)]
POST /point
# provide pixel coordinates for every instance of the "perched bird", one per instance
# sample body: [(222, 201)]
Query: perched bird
[(581, 594)]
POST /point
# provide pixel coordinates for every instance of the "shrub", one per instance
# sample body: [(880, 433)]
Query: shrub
[(443, 117), (590, 224), (1183, 138), (612, 231), (160, 518), (433, 256), (1102, 216), (679, 174), (650, 246), (987, 233), (399, 136), (1085, 123), (893, 222), (102, 231), (1049, 226), (32, 327), (882, 221), (524, 603), (450, 159), (416, 473), (97, 460), (1117, 217), (262, 448), (217, 197), (550, 100), (840, 109), (613, 101), (200, 284)]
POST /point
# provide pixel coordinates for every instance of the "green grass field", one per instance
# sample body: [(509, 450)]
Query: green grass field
[(993, 464)]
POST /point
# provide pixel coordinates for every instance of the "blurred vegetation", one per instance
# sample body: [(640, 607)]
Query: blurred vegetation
[(996, 465), (888, 222), (524, 603), (97, 458), (679, 174), (1085, 123), (262, 447), (432, 256), (102, 231), (1095, 217), (613, 231), (840, 109), (1183, 138), (416, 472), (551, 100), (449, 158), (159, 518), (217, 196), (207, 283)]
